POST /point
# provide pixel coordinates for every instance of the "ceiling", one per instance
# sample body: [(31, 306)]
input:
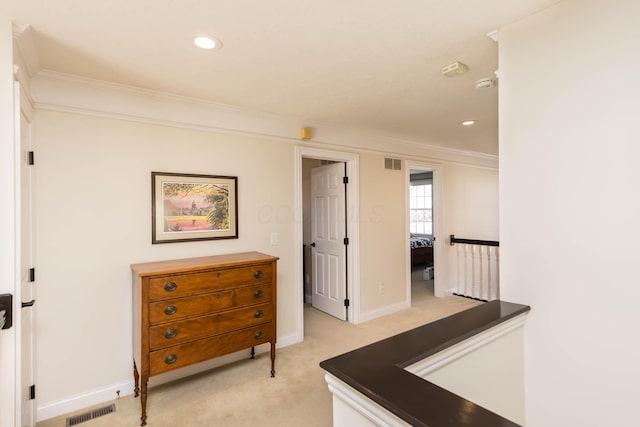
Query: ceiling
[(367, 64)]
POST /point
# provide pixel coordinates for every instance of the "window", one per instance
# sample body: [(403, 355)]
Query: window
[(420, 208)]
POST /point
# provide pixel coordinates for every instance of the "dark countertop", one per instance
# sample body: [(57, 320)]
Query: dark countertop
[(377, 370)]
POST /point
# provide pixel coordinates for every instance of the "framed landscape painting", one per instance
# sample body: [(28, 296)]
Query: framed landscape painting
[(187, 207)]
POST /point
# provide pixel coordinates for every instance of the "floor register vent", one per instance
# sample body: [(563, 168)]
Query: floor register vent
[(81, 418)]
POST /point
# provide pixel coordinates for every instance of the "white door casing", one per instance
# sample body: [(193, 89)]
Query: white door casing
[(328, 231), (26, 372), (352, 161), (8, 209)]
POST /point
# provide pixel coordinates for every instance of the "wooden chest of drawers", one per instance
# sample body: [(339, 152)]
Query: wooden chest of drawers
[(190, 310)]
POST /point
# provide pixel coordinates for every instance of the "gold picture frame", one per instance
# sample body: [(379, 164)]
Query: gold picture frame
[(190, 207)]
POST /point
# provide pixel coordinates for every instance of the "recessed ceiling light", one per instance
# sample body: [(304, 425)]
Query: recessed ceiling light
[(207, 42), (469, 122)]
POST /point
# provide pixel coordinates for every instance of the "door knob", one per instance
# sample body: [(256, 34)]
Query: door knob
[(313, 244)]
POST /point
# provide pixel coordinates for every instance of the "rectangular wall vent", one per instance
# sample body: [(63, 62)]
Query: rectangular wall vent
[(394, 164), (87, 416)]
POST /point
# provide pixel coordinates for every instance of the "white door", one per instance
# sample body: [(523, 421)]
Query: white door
[(25, 326), (328, 233)]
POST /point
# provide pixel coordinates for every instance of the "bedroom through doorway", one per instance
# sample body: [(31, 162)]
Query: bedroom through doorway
[(421, 234)]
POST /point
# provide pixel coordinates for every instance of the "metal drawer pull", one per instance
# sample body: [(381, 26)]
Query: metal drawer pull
[(258, 293), (258, 314), (170, 309), (258, 335), (218, 295), (170, 359), (170, 287), (218, 316), (257, 274), (171, 333)]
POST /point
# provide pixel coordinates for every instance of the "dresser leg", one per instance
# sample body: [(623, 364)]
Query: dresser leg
[(136, 380), (253, 352), (143, 402), (273, 359)]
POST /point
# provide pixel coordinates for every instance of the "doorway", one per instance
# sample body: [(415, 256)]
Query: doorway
[(421, 233), (325, 219), (425, 272), (305, 158)]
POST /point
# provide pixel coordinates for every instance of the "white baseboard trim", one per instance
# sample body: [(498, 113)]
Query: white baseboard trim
[(374, 314), (288, 340), (84, 400), (108, 393)]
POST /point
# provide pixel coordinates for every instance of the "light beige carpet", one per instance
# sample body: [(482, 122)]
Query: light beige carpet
[(243, 394)]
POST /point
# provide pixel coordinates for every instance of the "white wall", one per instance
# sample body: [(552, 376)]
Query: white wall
[(383, 236), (470, 211), (97, 145), (487, 369), (569, 212), (93, 201)]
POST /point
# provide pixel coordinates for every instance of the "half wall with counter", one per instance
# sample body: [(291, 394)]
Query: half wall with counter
[(463, 370)]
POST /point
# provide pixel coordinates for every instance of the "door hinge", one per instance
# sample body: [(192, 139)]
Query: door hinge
[(345, 179), (32, 274), (346, 240), (30, 158), (346, 302), (32, 392)]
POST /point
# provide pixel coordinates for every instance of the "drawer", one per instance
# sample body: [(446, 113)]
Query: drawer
[(180, 308), (176, 285), (197, 351), (172, 333)]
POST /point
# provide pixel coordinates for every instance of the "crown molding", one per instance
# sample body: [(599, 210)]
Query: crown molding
[(25, 58), (23, 37), (80, 95)]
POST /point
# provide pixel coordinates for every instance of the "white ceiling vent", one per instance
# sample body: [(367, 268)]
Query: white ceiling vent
[(454, 69), (394, 164)]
